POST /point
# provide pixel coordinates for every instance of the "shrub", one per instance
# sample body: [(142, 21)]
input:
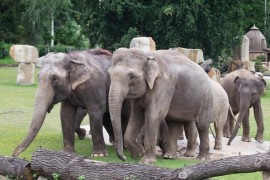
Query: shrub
[(258, 63), (4, 49)]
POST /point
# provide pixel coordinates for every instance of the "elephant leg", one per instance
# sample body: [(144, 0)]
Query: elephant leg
[(106, 121), (68, 115), (246, 128), (203, 129), (219, 132), (80, 114), (169, 151), (134, 126), (191, 134), (95, 115), (259, 121), (163, 136), (228, 126)]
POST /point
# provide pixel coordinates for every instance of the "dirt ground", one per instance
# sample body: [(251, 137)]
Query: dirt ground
[(236, 148)]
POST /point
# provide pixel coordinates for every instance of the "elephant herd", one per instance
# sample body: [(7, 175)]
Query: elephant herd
[(143, 98)]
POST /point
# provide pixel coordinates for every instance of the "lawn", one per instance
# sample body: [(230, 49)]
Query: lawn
[(15, 117)]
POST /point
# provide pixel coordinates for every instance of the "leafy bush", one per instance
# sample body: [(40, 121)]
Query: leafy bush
[(4, 49), (258, 63), (223, 62)]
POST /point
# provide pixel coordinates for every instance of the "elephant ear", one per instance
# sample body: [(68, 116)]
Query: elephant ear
[(236, 79), (262, 86), (79, 73), (152, 71)]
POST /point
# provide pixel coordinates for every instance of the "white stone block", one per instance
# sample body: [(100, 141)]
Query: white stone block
[(26, 74), (24, 53)]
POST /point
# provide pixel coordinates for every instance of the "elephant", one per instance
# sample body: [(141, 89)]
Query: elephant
[(221, 109), (162, 84), (76, 79), (244, 91)]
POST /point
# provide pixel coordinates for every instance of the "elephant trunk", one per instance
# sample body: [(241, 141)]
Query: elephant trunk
[(43, 100), (243, 109), (116, 98)]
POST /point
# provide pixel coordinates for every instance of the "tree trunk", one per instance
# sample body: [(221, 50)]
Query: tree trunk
[(66, 166), (15, 168), (231, 165)]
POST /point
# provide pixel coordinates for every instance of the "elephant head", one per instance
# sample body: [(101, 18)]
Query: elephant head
[(131, 75), (248, 90), (59, 76)]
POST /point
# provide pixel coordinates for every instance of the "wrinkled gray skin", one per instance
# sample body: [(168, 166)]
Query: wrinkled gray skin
[(244, 91), (162, 85), (77, 79), (221, 109)]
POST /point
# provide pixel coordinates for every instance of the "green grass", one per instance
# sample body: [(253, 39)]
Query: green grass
[(7, 61), (16, 113)]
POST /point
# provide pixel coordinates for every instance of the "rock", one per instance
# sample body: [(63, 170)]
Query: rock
[(26, 72), (24, 53), (196, 55), (144, 43)]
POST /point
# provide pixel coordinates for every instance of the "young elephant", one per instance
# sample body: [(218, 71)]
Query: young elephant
[(244, 91), (221, 109), (76, 79), (162, 85)]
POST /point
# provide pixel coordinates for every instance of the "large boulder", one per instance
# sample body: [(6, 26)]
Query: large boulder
[(196, 55), (144, 43), (24, 53), (26, 73)]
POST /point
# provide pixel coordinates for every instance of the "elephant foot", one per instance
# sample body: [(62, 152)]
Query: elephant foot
[(218, 147), (189, 153), (245, 139), (203, 156), (69, 150), (168, 155), (226, 135), (259, 138), (99, 154), (148, 159), (81, 133), (136, 151)]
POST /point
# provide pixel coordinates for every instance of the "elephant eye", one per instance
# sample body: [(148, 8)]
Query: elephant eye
[(54, 78), (132, 76)]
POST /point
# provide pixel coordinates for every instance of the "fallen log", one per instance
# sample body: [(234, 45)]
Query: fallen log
[(15, 168), (68, 166), (231, 165)]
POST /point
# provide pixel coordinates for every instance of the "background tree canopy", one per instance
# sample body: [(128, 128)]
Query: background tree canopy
[(214, 26)]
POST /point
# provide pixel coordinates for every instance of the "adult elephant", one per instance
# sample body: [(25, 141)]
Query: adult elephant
[(244, 91), (161, 84), (76, 79)]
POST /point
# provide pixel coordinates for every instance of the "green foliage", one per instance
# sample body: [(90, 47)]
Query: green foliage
[(55, 176), (258, 63), (125, 41), (223, 62), (81, 177), (4, 49)]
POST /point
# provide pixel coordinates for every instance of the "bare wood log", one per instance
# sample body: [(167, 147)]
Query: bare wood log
[(15, 168), (67, 166), (231, 165)]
